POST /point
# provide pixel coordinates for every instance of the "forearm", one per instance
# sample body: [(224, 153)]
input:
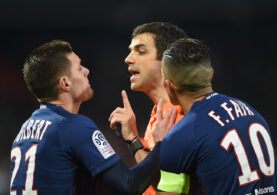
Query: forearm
[(134, 180), (153, 169), (141, 154), (138, 148)]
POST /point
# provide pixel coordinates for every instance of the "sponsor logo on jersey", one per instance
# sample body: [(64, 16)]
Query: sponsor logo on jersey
[(265, 190), (211, 95), (102, 144)]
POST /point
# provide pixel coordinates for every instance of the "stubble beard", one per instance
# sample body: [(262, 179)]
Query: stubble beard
[(135, 87), (90, 93), (138, 85), (87, 95)]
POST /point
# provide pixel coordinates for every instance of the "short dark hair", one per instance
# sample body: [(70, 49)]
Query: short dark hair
[(43, 67), (187, 63), (164, 34)]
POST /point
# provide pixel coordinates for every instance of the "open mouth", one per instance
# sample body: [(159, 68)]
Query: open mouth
[(134, 74)]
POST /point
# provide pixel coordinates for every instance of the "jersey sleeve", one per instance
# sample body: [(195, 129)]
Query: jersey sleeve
[(177, 157), (178, 150), (88, 146), (174, 183)]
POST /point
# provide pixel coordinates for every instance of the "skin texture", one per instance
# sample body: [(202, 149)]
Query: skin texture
[(74, 89), (145, 67), (163, 123), (142, 59)]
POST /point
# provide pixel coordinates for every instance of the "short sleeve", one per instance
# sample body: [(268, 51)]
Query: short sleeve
[(88, 146)]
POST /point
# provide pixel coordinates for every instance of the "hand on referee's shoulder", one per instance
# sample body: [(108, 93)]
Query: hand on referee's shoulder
[(163, 123)]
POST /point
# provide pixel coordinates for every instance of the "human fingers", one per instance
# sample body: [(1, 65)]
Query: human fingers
[(125, 100), (113, 123), (117, 118), (173, 117), (118, 110), (167, 115), (160, 109)]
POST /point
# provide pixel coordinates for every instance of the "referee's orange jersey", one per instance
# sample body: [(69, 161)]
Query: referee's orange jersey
[(148, 136)]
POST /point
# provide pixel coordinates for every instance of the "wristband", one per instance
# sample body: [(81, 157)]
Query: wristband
[(134, 146), (131, 141)]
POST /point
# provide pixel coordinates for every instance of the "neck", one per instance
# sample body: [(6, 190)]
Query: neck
[(156, 93), (187, 99), (67, 103)]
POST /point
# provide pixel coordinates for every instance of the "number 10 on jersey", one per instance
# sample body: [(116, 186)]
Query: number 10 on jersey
[(248, 175)]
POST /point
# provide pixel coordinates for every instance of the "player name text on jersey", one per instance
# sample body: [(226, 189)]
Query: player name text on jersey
[(34, 129), (234, 108)]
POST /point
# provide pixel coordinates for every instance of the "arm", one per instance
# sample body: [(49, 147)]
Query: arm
[(160, 127), (126, 117), (141, 153), (151, 172), (169, 182), (172, 183), (136, 179), (166, 193)]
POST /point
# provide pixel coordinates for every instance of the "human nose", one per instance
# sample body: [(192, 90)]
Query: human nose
[(129, 59), (86, 71)]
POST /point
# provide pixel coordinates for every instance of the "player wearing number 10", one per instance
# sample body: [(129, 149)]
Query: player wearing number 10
[(222, 142), (58, 151)]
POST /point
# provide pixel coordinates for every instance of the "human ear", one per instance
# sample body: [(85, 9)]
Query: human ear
[(64, 83), (170, 85)]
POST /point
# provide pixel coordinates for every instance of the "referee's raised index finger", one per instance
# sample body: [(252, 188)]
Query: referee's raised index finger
[(125, 100)]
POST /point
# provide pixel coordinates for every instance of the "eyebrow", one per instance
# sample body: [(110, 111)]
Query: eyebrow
[(137, 46)]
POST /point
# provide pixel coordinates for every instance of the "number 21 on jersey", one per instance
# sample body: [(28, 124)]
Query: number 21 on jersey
[(30, 158), (248, 175)]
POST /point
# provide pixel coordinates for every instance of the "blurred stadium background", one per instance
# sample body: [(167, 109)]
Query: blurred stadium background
[(242, 36)]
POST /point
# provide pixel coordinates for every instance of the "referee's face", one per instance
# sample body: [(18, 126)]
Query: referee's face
[(143, 64)]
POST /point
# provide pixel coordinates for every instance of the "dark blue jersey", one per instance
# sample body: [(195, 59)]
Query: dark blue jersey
[(226, 145), (57, 152)]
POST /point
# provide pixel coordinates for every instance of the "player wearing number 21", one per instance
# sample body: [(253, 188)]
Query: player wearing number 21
[(222, 142), (58, 151)]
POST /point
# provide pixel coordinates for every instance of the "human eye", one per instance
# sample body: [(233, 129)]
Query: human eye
[(141, 52)]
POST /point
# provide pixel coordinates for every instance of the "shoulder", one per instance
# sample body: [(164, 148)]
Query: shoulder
[(178, 146), (169, 105), (182, 130), (186, 129), (80, 121), (76, 129)]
